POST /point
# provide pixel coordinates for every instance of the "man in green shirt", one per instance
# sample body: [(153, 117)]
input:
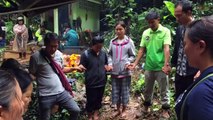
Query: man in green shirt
[(155, 42)]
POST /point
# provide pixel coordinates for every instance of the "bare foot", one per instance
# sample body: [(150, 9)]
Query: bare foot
[(89, 118), (90, 115), (123, 115), (115, 115), (96, 115), (165, 114), (146, 109)]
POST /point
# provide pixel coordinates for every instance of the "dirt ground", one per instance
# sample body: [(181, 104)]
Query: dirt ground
[(134, 109), (134, 112)]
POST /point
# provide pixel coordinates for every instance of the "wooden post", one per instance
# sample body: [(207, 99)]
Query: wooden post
[(56, 27)]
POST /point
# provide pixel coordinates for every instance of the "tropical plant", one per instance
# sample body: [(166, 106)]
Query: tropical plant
[(9, 33), (5, 3)]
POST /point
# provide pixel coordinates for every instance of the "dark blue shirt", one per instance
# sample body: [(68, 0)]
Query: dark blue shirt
[(2, 31), (199, 102), (95, 75)]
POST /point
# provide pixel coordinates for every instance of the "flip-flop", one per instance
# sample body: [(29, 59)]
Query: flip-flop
[(123, 116)]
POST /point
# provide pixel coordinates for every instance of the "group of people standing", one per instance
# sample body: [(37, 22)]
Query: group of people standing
[(24, 34), (192, 56)]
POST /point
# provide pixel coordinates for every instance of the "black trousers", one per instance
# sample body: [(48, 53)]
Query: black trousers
[(94, 98), (182, 83)]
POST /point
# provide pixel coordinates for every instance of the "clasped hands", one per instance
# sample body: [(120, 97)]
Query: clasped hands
[(166, 68), (108, 68)]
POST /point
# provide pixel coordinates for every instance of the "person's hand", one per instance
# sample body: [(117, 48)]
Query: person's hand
[(166, 68), (131, 66), (1, 38), (71, 69), (82, 68), (76, 68), (128, 67), (20, 32), (109, 68)]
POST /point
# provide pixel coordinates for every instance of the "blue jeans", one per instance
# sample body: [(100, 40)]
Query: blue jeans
[(63, 99)]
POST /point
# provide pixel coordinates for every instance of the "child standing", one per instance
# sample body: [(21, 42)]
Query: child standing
[(21, 37), (94, 62), (121, 54)]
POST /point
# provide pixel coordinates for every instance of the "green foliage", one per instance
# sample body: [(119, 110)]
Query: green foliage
[(170, 6), (5, 3), (204, 9), (119, 10), (108, 87), (136, 22), (108, 36), (9, 33), (138, 85), (33, 23)]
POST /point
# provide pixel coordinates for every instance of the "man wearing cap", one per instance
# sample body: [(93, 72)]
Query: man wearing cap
[(21, 37)]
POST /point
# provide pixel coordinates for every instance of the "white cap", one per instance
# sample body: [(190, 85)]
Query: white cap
[(20, 18)]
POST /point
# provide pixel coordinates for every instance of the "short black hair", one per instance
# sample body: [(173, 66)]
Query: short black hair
[(152, 15), (50, 37), (67, 25), (186, 5), (97, 39)]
